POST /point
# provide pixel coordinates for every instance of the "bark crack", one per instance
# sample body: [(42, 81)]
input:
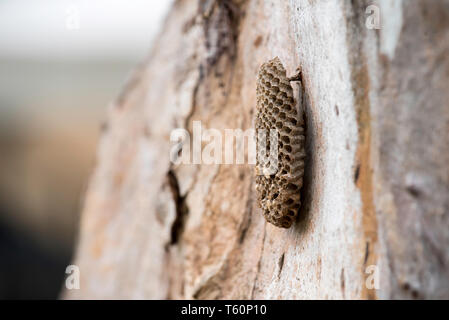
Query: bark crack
[(281, 264), (248, 213), (182, 210)]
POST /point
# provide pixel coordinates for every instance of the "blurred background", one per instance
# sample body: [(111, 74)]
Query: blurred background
[(61, 63)]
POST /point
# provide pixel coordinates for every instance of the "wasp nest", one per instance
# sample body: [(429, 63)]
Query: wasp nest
[(278, 186)]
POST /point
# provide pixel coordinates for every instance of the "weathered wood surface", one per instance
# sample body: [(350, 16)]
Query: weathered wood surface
[(376, 188)]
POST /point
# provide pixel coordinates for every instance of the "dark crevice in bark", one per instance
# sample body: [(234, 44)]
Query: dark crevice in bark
[(182, 211), (248, 213), (365, 260), (281, 264)]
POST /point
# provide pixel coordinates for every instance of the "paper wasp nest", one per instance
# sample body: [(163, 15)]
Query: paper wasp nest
[(278, 190)]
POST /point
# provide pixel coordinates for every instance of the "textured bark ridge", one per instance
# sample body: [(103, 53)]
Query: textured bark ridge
[(375, 208), (279, 175)]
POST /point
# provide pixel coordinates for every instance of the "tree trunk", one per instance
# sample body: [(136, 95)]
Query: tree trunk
[(375, 201)]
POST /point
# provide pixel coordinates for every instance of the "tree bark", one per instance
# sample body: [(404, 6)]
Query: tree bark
[(376, 186)]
